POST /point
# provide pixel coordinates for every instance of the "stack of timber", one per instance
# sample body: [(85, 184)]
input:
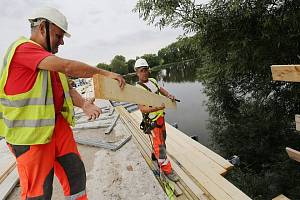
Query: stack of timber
[(200, 169), (8, 171), (281, 197), (107, 88), (289, 73)]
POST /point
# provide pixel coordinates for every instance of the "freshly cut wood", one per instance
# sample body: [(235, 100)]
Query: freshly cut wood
[(293, 154), (7, 161), (178, 135), (190, 144), (297, 119), (176, 147), (213, 184), (7, 171), (286, 73), (106, 88), (8, 184), (187, 180), (281, 197), (146, 149)]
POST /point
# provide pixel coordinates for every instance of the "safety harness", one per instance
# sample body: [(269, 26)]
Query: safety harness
[(147, 124)]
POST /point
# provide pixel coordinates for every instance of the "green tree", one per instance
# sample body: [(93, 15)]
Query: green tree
[(152, 59), (251, 115), (130, 63), (104, 66), (181, 50), (118, 65)]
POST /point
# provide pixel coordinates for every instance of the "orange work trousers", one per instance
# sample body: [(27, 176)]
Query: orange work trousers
[(159, 145), (38, 163)]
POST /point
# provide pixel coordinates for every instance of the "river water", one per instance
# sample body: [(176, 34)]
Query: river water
[(191, 115), (256, 131)]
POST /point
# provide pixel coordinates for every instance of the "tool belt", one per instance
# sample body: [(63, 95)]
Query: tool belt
[(147, 125)]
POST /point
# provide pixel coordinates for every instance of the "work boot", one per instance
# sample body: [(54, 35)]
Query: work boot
[(172, 176)]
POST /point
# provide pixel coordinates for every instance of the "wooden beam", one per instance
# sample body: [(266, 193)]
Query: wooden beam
[(281, 197), (286, 73), (293, 154), (297, 119), (144, 148), (106, 88), (8, 184), (209, 181), (193, 146), (7, 161)]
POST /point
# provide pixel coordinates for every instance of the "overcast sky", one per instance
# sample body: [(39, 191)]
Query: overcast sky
[(100, 29)]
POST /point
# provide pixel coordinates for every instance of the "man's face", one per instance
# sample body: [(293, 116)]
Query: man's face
[(56, 38), (143, 74)]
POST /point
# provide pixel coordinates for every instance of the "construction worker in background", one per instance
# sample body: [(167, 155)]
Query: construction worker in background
[(154, 117), (36, 108)]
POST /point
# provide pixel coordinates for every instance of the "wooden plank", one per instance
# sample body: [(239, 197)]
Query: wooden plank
[(176, 147), (213, 190), (7, 171), (8, 184), (286, 73), (144, 150), (187, 180), (217, 182), (281, 197), (293, 154), (208, 179), (177, 135), (140, 136), (189, 157), (7, 160), (297, 119), (106, 88)]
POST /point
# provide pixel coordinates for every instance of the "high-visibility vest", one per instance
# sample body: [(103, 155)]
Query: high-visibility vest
[(153, 115), (29, 118)]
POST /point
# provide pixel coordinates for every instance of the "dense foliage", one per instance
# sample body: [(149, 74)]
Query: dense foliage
[(252, 116)]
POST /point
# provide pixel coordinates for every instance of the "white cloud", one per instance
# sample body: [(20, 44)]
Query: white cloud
[(100, 29)]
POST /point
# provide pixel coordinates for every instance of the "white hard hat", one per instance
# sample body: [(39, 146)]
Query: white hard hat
[(140, 63), (53, 15)]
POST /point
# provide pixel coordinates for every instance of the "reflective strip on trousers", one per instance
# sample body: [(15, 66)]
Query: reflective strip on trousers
[(75, 196), (29, 123), (163, 161), (31, 101)]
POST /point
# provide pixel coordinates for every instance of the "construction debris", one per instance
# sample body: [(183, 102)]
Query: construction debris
[(113, 147)]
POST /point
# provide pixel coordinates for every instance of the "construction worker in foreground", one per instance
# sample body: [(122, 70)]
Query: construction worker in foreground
[(153, 117), (36, 108)]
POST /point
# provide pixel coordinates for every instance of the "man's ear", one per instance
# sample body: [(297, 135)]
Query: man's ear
[(42, 29)]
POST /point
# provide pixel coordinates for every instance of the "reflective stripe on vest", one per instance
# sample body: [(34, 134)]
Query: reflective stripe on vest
[(31, 101), (153, 115), (68, 108), (28, 123), (29, 118)]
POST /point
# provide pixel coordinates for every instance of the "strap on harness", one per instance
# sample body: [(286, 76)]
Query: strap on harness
[(145, 86)]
